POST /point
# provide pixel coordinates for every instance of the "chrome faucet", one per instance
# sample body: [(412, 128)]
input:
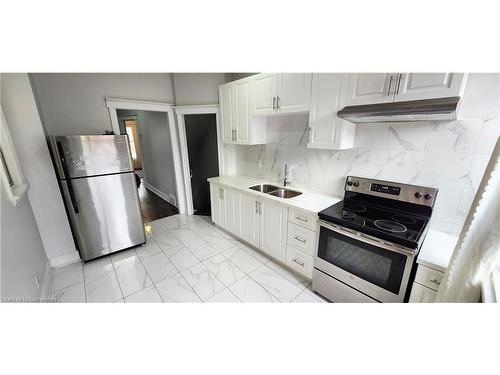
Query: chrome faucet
[(286, 181)]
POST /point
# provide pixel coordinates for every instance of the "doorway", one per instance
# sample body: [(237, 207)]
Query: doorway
[(151, 152), (201, 139)]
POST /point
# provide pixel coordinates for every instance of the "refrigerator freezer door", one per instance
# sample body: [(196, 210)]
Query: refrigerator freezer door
[(105, 213), (91, 155)]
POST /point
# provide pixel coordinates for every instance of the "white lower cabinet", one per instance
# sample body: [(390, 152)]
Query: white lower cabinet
[(273, 226), (249, 222), (287, 235), (426, 284)]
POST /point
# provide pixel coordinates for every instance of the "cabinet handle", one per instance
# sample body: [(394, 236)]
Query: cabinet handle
[(298, 262), (278, 102), (399, 83), (274, 103), (256, 207), (435, 281), (300, 239), (303, 220), (221, 193), (390, 84), (260, 208), (235, 135)]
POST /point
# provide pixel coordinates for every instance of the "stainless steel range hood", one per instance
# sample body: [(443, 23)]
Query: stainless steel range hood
[(442, 109)]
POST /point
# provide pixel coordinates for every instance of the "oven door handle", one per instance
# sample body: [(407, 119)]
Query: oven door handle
[(363, 238)]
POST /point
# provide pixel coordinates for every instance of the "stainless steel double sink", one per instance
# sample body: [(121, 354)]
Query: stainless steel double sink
[(275, 191)]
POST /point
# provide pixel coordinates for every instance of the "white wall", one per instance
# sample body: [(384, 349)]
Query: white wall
[(197, 88), (73, 103), (449, 155), (27, 134), (22, 253)]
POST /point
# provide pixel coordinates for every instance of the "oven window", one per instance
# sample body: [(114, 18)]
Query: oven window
[(376, 265)]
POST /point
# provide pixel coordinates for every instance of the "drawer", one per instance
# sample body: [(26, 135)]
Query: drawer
[(421, 294), (303, 219), (302, 238), (428, 277), (299, 261)]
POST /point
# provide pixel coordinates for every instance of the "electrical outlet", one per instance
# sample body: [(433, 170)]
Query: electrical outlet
[(37, 282)]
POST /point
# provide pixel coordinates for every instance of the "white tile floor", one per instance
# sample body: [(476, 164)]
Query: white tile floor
[(185, 259)]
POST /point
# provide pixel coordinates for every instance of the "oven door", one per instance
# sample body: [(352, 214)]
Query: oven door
[(374, 268)]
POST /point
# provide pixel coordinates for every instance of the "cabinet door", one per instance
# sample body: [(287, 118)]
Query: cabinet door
[(327, 131), (370, 88), (421, 294), (232, 208), (226, 112), (264, 92), (249, 219), (217, 204), (273, 228), (242, 111), (417, 86), (294, 92)]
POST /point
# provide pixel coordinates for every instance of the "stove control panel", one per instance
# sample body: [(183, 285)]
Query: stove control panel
[(392, 190)]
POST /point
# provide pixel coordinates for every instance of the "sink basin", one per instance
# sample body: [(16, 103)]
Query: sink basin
[(285, 193), (264, 188)]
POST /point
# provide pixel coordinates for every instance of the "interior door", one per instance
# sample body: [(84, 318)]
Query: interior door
[(226, 112), (249, 219), (242, 110), (273, 229), (264, 92), (370, 88), (417, 86), (105, 213), (294, 92)]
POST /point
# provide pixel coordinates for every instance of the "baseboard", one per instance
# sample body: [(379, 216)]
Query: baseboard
[(160, 193), (46, 282), (65, 259)]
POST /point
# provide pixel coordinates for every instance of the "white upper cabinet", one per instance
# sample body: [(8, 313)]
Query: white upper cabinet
[(264, 93), (373, 88), (326, 130), (275, 93), (242, 117), (226, 111), (370, 88), (239, 126), (416, 86), (294, 92)]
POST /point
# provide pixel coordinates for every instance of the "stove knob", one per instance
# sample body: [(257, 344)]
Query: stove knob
[(356, 184), (418, 195), (428, 196), (349, 183)]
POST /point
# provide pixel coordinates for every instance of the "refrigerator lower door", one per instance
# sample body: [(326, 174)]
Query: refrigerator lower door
[(105, 213)]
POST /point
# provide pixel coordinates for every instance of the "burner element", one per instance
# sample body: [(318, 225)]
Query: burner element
[(390, 226), (354, 207), (404, 219)]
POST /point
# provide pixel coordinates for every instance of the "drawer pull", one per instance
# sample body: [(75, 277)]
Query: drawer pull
[(435, 281), (301, 219), (298, 262), (300, 239)]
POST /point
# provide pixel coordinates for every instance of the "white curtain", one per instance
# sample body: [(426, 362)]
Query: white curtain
[(478, 247)]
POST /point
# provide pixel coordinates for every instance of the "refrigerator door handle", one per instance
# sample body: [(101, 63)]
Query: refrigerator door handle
[(68, 180)]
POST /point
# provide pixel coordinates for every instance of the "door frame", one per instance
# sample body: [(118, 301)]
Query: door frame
[(140, 105), (181, 111)]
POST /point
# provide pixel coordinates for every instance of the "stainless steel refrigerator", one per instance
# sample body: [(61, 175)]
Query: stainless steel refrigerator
[(98, 184)]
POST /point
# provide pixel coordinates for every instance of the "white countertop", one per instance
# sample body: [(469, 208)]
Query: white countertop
[(308, 200), (437, 249)]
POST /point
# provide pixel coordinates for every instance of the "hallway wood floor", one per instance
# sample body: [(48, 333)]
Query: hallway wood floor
[(154, 207)]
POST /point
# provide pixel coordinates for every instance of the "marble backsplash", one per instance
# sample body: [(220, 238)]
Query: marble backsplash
[(449, 155)]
